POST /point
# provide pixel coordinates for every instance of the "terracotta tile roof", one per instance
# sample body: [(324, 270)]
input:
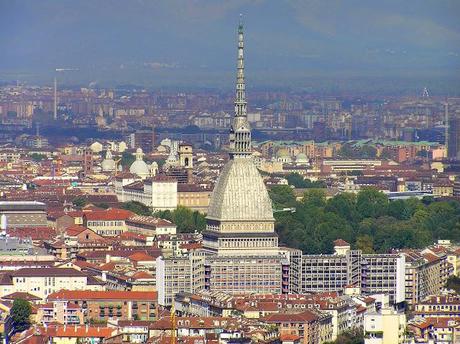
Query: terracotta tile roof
[(286, 337), (430, 257), (35, 233), (21, 295), (305, 316), (194, 322), (141, 256), (340, 242), (150, 220), (103, 295), (360, 309), (133, 323), (132, 236), (49, 272), (443, 322), (75, 230), (79, 331), (142, 275), (109, 214)]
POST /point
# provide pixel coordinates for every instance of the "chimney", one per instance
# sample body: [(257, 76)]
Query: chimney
[(3, 222)]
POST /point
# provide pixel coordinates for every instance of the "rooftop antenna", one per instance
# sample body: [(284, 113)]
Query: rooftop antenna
[(58, 70), (446, 120), (425, 93)]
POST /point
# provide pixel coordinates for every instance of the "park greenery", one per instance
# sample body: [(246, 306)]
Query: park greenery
[(127, 159), (20, 315), (454, 283), (137, 208), (353, 336), (367, 220), (297, 181), (186, 220), (351, 151)]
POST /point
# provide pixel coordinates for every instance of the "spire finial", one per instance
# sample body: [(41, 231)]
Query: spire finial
[(240, 133)]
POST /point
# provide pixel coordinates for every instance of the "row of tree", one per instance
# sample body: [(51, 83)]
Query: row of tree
[(367, 220)]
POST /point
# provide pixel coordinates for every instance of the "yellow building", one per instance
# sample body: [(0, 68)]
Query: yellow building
[(385, 327)]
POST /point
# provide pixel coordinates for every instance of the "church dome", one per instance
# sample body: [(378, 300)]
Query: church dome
[(108, 164), (240, 194), (139, 166), (301, 158)]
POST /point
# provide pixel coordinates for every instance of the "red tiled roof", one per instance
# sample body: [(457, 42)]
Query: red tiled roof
[(109, 214), (286, 337), (305, 316), (79, 331), (340, 242), (75, 230), (430, 257), (103, 295), (21, 295), (141, 256), (35, 233), (142, 275)]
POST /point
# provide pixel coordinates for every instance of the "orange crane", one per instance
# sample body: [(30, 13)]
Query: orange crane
[(173, 325)]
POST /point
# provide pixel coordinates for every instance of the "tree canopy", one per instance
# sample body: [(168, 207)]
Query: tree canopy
[(20, 314), (186, 220), (300, 182), (127, 159), (367, 220), (137, 208)]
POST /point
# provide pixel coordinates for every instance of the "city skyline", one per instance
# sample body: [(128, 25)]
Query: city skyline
[(173, 44)]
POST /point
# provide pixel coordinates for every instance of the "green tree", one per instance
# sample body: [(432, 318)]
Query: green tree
[(297, 181), (453, 282), (314, 197), (344, 204), (399, 209), (353, 336), (371, 203), (137, 208), (282, 196), (367, 152), (365, 243), (37, 157), (79, 202), (186, 220), (127, 159), (20, 314)]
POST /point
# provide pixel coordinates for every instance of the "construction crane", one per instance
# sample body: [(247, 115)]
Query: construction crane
[(173, 325), (59, 70)]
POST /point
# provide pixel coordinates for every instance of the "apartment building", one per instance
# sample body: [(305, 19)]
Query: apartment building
[(108, 305), (312, 327), (373, 273), (43, 282), (179, 274), (110, 222), (24, 213), (384, 327), (426, 274), (251, 274), (438, 306)]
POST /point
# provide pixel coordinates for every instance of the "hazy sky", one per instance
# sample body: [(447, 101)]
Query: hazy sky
[(187, 42)]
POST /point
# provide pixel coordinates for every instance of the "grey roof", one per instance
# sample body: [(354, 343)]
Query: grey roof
[(240, 194)]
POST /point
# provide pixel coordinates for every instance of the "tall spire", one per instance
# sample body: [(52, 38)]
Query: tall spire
[(240, 132)]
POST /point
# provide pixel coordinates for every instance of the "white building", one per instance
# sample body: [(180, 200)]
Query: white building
[(384, 327)]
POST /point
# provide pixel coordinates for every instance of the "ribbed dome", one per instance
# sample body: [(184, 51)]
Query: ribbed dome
[(108, 164), (240, 194), (139, 166)]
